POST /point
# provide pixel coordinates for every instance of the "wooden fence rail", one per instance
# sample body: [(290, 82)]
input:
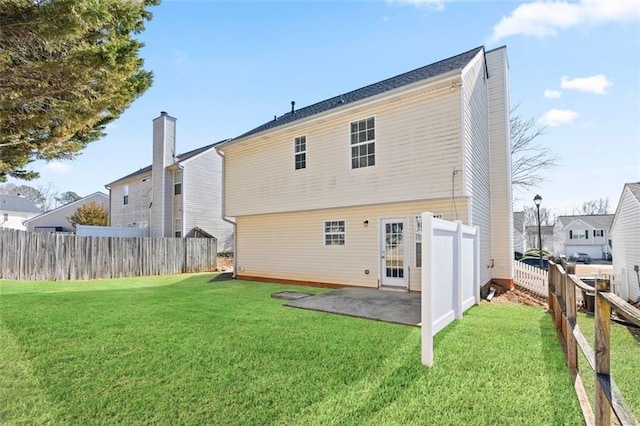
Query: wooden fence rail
[(562, 301), (43, 256)]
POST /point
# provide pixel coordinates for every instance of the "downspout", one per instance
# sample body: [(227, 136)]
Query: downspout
[(225, 218), (182, 213), (109, 188)]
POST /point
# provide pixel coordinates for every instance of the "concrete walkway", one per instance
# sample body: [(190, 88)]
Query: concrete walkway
[(388, 306)]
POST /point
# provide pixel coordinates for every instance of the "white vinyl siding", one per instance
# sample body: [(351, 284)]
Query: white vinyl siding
[(302, 255), (625, 236), (202, 192), (417, 147), (138, 209), (500, 164), (477, 160)]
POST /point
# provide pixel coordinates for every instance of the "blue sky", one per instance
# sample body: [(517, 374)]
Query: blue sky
[(222, 68)]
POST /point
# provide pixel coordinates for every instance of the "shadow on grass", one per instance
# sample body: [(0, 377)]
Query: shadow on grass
[(225, 276), (555, 364)]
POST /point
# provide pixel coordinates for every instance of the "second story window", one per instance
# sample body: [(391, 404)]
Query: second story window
[(177, 183), (300, 151), (363, 143), (125, 192), (598, 233)]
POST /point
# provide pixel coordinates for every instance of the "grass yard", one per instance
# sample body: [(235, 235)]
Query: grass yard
[(184, 350)]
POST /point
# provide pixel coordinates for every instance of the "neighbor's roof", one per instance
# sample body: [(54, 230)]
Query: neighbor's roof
[(423, 73), (598, 221), (179, 158), (16, 203)]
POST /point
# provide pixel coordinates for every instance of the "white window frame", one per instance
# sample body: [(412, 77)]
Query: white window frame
[(300, 153), (356, 144), (125, 195), (334, 233), (177, 182)]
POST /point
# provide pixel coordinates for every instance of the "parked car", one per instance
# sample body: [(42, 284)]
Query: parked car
[(535, 261), (580, 257)]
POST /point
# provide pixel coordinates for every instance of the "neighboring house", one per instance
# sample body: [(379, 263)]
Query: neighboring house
[(533, 242), (625, 234), (332, 193), (519, 241), (583, 234), (15, 210), (57, 220), (177, 195)]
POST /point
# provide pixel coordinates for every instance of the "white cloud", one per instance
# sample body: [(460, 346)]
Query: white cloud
[(57, 167), (552, 94), (431, 4), (597, 84), (541, 19), (556, 117)]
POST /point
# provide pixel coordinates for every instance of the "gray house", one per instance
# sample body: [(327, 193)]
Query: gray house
[(178, 195), (56, 220)]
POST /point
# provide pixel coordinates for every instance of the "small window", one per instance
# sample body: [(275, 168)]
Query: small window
[(300, 152), (598, 233), (147, 179), (363, 143), (334, 233), (418, 241), (177, 228), (125, 191), (177, 183), (5, 216)]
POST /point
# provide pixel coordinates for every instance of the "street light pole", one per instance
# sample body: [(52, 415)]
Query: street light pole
[(537, 200)]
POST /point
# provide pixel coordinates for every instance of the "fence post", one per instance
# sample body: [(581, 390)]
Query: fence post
[(457, 258), (572, 347), (426, 296), (602, 349)]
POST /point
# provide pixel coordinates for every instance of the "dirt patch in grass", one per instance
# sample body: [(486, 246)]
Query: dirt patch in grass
[(520, 297), (224, 264)]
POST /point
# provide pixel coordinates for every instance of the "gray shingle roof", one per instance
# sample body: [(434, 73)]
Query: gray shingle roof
[(423, 73), (634, 187), (179, 158), (598, 221), (16, 203)]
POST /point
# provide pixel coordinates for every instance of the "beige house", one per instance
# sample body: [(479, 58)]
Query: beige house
[(332, 193), (15, 210), (56, 220), (178, 195), (625, 235)]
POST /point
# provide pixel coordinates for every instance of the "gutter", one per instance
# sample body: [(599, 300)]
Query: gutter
[(225, 218)]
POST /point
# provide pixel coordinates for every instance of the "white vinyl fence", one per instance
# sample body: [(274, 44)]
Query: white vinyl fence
[(450, 276), (531, 278)]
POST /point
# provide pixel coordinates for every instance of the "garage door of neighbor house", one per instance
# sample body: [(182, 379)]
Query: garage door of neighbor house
[(393, 252), (594, 251)]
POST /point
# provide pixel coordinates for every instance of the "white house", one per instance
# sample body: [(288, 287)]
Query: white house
[(56, 220), (15, 210), (178, 195), (625, 235), (583, 234), (331, 193)]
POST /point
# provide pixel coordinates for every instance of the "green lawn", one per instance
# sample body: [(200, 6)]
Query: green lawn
[(184, 350)]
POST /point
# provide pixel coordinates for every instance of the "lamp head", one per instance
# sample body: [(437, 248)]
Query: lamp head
[(537, 200)]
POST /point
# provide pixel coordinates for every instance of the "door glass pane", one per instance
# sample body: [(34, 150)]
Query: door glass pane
[(394, 250)]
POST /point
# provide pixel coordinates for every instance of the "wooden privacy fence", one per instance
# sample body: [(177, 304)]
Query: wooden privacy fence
[(43, 256), (531, 278), (562, 301)]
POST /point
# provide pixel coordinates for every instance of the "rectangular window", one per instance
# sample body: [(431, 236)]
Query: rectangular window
[(177, 183), (5, 216), (125, 191), (363, 143), (578, 235), (418, 241), (177, 228), (598, 233), (334, 232), (300, 151)]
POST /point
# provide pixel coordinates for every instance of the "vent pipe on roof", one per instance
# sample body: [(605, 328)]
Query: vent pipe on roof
[(293, 105), (163, 113)]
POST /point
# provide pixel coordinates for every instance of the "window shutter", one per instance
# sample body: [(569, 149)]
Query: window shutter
[(570, 234), (586, 234)]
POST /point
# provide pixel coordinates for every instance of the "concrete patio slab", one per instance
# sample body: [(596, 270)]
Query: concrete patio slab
[(388, 306)]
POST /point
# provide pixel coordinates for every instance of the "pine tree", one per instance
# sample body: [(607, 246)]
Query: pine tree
[(67, 69)]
